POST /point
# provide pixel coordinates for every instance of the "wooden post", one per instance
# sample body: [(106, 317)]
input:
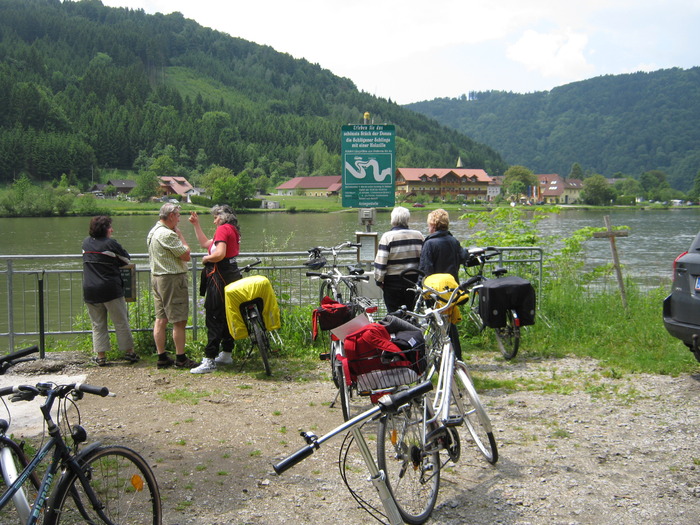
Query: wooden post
[(611, 234)]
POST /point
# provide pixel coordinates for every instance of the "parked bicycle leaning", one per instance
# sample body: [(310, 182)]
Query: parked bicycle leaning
[(220, 269)]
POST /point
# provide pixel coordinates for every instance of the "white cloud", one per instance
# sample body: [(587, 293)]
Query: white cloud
[(560, 54)]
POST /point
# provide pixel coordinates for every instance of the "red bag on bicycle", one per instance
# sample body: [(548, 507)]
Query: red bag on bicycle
[(329, 315), (370, 348)]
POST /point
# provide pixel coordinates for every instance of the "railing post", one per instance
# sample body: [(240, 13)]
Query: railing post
[(42, 328), (10, 308)]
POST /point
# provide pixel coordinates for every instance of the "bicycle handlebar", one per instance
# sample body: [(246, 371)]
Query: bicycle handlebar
[(330, 277), (346, 244), (29, 392), (247, 268), (14, 358), (387, 404)]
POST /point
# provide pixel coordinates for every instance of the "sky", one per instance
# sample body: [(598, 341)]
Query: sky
[(415, 50)]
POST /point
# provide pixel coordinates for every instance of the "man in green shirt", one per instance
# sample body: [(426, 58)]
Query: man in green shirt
[(168, 254)]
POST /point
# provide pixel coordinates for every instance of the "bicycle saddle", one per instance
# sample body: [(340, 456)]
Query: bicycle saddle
[(356, 270)]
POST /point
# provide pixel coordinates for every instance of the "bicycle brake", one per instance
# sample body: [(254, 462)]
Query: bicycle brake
[(310, 438)]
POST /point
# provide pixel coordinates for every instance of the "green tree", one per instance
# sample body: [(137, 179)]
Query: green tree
[(694, 193), (597, 191), (517, 180), (576, 171), (147, 185)]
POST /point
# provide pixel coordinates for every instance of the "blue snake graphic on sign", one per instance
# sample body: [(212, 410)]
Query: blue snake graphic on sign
[(359, 169)]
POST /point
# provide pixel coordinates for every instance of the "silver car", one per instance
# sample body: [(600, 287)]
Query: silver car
[(682, 307)]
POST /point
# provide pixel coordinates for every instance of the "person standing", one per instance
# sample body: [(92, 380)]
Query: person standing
[(103, 290), (442, 253), (399, 249), (168, 254), (220, 269)]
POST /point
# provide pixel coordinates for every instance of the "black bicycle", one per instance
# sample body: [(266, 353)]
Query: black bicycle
[(495, 303), (107, 484), (247, 299)]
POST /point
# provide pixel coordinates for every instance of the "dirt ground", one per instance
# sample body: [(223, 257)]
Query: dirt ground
[(579, 448)]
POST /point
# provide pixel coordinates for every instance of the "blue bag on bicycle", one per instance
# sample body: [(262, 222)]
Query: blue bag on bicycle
[(507, 293)]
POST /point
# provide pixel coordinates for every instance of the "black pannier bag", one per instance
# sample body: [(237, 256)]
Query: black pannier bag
[(507, 293)]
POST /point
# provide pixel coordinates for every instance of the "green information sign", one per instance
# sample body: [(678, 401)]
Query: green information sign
[(368, 154)]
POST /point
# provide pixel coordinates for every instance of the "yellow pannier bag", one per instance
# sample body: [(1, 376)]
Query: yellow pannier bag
[(445, 284), (237, 293)]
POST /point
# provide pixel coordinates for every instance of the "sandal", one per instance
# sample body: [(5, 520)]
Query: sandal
[(100, 361), (131, 357)]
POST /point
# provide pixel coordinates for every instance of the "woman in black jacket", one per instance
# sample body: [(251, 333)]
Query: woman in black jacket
[(442, 253), (103, 289)]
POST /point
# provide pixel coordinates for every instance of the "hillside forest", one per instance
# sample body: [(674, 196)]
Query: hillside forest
[(615, 125), (89, 89)]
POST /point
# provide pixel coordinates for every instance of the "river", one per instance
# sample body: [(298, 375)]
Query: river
[(655, 239)]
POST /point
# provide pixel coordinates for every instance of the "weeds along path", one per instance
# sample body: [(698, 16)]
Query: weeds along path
[(576, 446)]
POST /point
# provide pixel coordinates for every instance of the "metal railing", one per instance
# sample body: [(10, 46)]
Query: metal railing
[(44, 295)]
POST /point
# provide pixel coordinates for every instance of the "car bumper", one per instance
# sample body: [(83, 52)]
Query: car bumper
[(688, 333)]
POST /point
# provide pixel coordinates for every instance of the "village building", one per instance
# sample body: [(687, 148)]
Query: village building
[(554, 189), (176, 186), (444, 183), (322, 186)]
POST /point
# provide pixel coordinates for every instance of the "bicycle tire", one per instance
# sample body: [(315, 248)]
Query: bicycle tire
[(412, 474), (262, 342), (345, 392), (508, 337), (468, 405), (124, 483)]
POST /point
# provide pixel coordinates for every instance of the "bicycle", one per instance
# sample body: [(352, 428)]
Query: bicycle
[(386, 405), (251, 305), (409, 439), (499, 313), (14, 358), (334, 285), (108, 484)]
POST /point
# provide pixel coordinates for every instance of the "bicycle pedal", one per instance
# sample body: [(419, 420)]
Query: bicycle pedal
[(325, 356), (453, 421)]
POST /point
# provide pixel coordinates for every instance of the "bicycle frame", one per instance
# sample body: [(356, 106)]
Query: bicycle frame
[(61, 456), (386, 404)]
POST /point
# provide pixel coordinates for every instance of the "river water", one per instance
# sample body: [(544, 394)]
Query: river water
[(655, 239)]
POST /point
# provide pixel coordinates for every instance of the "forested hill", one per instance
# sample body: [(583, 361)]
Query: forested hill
[(84, 87), (613, 124)]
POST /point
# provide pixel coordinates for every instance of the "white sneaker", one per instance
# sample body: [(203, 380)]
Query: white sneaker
[(224, 358), (208, 365)]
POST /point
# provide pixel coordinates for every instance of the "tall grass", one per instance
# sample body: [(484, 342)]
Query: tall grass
[(579, 319)]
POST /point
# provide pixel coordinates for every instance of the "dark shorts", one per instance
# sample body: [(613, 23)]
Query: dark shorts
[(171, 297)]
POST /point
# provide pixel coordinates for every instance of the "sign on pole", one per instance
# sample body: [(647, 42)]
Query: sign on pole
[(368, 154)]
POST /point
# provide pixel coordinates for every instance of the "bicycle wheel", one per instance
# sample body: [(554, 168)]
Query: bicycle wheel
[(344, 391), (263, 343), (468, 405), (412, 473), (508, 337), (121, 480)]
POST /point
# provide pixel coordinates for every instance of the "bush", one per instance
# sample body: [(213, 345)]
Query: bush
[(200, 200)]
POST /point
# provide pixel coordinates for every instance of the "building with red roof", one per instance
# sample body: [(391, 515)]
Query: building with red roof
[(471, 184), (322, 186)]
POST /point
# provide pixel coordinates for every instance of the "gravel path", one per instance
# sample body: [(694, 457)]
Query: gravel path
[(576, 446)]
